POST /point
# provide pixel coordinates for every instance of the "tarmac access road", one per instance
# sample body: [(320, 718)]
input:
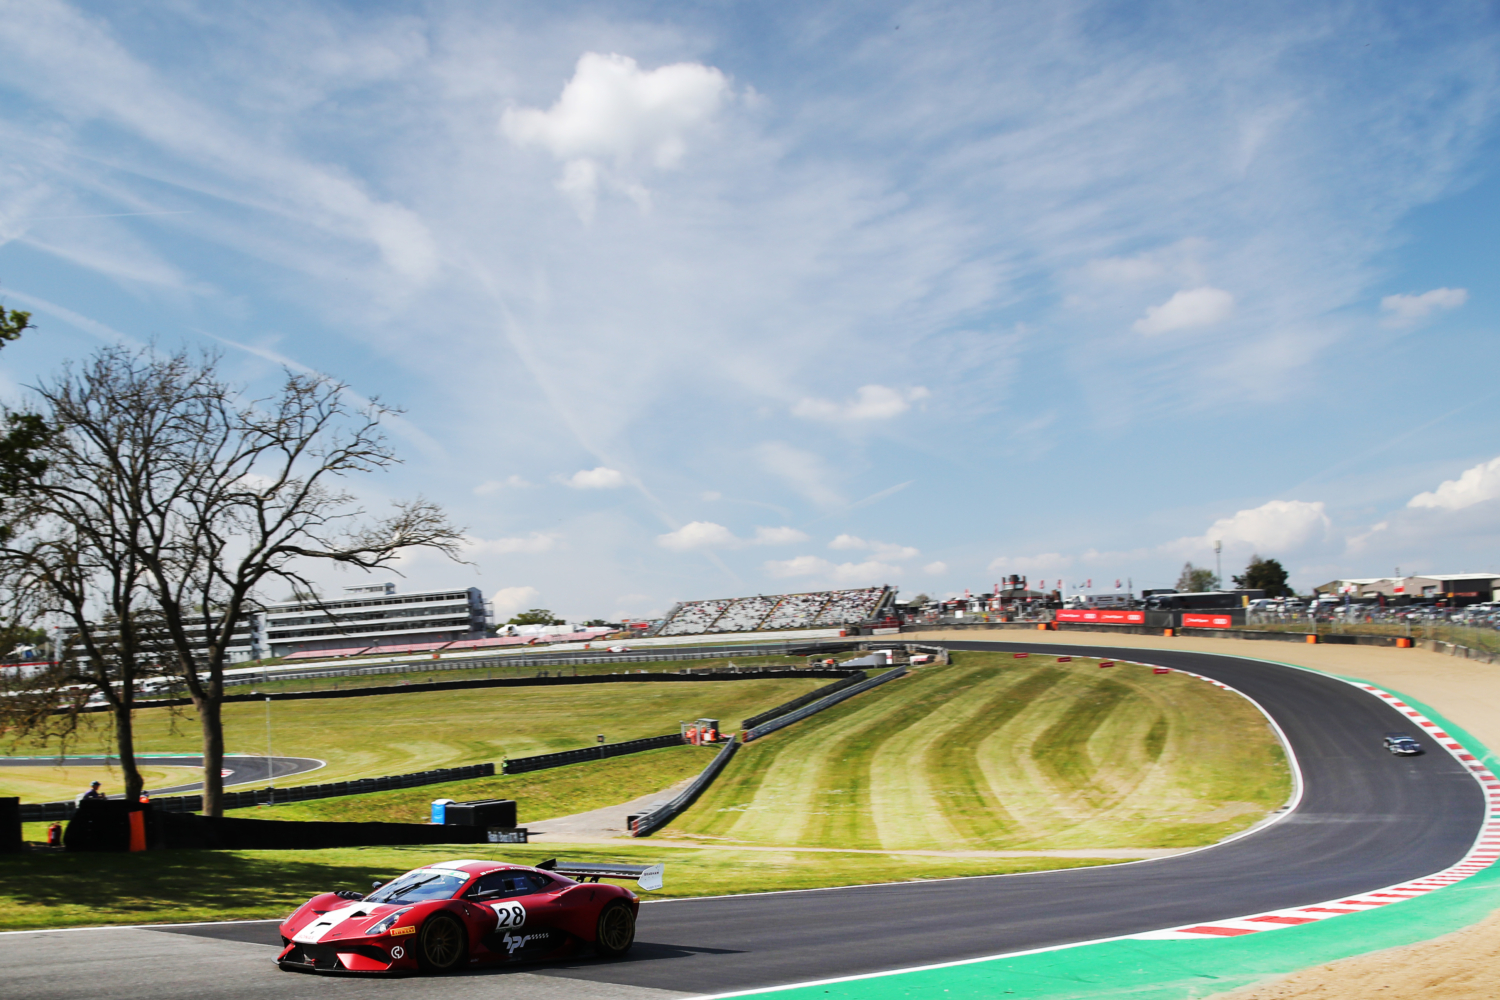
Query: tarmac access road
[(239, 769), (1366, 820)]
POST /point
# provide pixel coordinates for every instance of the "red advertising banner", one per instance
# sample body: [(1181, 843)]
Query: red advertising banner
[(1206, 621), (1103, 616)]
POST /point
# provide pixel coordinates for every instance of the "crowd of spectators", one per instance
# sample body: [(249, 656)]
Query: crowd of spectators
[(820, 609)]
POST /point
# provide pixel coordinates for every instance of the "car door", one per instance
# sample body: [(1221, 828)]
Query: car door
[(516, 899)]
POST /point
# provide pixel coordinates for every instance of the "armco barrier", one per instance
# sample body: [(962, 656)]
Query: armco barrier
[(650, 822), (520, 765), (807, 699), (739, 674), (33, 812), (822, 703)]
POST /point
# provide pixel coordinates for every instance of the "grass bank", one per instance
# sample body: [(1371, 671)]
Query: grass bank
[(559, 791), (44, 890), (994, 752), (399, 733), (41, 782)]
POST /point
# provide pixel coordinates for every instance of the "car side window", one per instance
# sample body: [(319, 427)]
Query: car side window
[(504, 885)]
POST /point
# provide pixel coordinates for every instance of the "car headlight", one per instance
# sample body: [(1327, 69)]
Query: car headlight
[(384, 923)]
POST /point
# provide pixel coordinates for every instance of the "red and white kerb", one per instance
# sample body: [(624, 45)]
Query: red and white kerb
[(1484, 853)]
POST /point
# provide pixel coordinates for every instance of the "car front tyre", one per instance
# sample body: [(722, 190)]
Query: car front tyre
[(441, 944), (616, 930)]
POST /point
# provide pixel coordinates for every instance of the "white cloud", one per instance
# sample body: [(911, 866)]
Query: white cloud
[(601, 478), (698, 535), (1187, 310), (1476, 485), (779, 536), (612, 110), (1278, 526), (491, 486), (708, 535), (868, 572), (935, 568), (712, 495), (1047, 562), (1409, 310), (882, 550), (871, 402), (804, 471), (509, 600), (537, 541)]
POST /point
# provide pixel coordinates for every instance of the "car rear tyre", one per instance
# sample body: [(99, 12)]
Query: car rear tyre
[(616, 930), (441, 944)]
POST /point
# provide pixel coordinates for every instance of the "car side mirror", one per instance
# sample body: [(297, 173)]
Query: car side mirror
[(376, 885)]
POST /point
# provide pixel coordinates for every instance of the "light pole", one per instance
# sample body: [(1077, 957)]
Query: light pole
[(270, 781), (1218, 565)]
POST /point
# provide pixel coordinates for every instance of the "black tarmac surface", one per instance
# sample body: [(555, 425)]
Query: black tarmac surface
[(1366, 820)]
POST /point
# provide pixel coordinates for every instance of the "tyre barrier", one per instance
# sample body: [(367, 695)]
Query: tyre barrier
[(807, 699), (647, 823), (822, 703), (520, 765), (42, 812)]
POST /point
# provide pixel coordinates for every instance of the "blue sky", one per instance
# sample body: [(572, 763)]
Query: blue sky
[(686, 301)]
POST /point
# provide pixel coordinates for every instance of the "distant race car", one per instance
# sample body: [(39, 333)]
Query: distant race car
[(462, 914), (1402, 745)]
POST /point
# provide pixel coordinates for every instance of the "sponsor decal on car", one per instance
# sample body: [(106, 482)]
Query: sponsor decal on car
[(514, 942), (399, 931), (398, 952)]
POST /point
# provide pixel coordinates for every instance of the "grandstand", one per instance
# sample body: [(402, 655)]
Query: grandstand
[(763, 613)]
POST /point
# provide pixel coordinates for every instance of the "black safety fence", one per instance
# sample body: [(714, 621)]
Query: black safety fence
[(807, 699), (33, 812), (601, 751), (822, 703), (649, 822)]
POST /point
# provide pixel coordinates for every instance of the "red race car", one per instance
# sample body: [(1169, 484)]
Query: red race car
[(460, 914)]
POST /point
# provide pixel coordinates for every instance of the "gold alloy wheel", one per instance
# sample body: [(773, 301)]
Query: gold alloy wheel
[(616, 929), (442, 943)]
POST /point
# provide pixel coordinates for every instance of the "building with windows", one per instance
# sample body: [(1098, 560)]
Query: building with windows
[(1454, 588), (373, 616)]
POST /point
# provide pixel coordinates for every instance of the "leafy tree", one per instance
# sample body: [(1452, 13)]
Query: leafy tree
[(1264, 574), (1195, 579), (536, 616), (918, 601)]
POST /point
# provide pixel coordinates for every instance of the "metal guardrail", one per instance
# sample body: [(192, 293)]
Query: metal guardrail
[(822, 703), (43, 812), (807, 699), (648, 823)]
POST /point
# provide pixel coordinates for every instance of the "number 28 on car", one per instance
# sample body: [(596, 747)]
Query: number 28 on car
[(461, 914)]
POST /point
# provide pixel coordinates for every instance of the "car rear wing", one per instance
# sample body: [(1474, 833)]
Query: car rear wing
[(648, 877)]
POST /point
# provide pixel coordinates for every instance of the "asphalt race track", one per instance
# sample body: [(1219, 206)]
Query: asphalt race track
[(242, 769), (1366, 820)]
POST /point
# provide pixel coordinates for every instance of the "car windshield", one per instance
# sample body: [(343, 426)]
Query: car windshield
[(413, 887)]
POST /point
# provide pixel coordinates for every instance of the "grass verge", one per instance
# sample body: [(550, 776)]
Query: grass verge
[(43, 890), (558, 791)]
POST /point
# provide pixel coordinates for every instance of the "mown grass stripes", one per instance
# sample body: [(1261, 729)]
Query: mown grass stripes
[(993, 753)]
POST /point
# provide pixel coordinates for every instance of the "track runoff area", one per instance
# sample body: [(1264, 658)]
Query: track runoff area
[(1374, 851)]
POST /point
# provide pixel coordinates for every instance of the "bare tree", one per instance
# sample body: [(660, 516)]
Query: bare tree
[(233, 493)]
